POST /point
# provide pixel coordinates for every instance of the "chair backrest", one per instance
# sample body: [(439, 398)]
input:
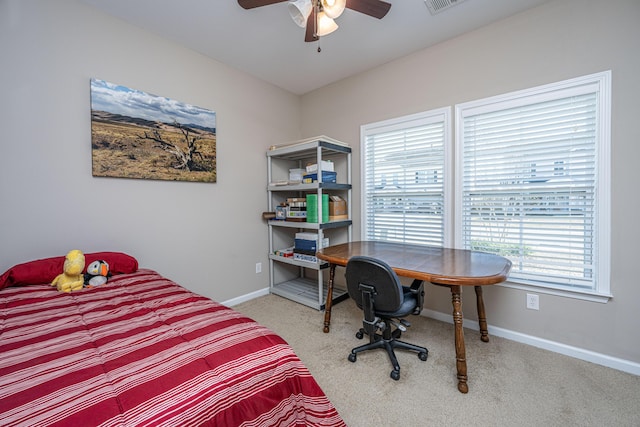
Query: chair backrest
[(376, 273)]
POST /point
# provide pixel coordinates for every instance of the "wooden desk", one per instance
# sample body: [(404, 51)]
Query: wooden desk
[(452, 268)]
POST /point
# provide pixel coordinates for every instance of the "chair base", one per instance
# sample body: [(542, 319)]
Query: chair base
[(389, 343)]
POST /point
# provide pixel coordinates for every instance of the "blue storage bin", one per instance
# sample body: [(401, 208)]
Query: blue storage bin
[(326, 177)]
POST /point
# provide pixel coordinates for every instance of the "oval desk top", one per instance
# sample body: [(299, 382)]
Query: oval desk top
[(434, 264)]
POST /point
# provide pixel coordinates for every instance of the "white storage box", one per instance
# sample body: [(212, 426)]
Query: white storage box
[(327, 166), (312, 237), (307, 236)]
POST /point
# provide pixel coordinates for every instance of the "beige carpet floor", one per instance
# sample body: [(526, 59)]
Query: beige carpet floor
[(510, 384)]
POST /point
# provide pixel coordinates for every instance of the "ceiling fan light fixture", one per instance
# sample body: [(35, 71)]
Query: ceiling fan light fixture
[(333, 8), (326, 25), (300, 11)]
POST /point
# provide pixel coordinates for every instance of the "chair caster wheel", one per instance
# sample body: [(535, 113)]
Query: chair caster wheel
[(359, 335), (395, 375), (423, 356), (352, 357)]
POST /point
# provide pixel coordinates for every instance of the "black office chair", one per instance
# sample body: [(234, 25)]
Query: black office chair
[(376, 289)]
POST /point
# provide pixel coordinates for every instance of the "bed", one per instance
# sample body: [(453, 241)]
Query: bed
[(142, 350)]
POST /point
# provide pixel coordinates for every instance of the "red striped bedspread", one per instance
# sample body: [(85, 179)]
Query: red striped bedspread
[(141, 350)]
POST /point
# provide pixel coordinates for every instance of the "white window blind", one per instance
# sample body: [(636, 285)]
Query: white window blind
[(530, 182), (404, 179)]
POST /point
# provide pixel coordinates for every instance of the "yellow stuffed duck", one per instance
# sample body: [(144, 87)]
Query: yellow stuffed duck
[(71, 279)]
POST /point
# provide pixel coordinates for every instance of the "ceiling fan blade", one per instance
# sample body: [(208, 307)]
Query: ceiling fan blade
[(250, 4), (375, 8), (310, 33)]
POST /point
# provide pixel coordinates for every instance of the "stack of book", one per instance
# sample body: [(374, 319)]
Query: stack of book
[(296, 209)]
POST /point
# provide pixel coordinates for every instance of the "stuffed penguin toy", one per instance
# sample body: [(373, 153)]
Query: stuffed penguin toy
[(97, 274)]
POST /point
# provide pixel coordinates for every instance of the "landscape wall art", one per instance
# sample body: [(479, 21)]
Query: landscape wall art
[(138, 135)]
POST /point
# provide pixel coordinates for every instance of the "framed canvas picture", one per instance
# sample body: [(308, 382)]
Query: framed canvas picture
[(138, 135)]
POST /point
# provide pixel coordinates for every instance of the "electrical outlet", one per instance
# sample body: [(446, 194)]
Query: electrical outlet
[(533, 302), (258, 267)]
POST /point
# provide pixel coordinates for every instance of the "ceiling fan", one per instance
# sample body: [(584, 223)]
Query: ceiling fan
[(317, 16)]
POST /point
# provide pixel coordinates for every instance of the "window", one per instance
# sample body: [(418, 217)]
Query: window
[(531, 182), (533, 187), (403, 164)]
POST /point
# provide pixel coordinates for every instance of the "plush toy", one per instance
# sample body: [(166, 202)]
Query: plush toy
[(71, 278), (97, 274)]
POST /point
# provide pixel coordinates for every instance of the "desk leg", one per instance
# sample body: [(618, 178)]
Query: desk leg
[(482, 318), (329, 301), (461, 360)]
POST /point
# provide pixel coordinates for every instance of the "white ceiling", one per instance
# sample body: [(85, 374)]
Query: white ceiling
[(267, 44)]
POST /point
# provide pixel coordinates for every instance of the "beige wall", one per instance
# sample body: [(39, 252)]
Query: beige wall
[(556, 41), (207, 237)]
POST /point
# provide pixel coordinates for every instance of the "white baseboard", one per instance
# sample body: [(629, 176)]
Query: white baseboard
[(247, 297), (579, 353)]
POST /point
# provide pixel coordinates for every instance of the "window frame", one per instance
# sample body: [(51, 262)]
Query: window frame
[(602, 84), (453, 172), (445, 113)]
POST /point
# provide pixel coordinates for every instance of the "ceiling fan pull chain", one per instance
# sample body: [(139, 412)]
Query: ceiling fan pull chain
[(315, 21)]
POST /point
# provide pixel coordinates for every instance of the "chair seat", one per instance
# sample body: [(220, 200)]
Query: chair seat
[(408, 305)]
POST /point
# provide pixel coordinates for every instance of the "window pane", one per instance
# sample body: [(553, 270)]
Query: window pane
[(404, 182), (528, 187)]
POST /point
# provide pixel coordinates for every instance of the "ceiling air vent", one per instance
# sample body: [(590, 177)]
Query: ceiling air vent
[(437, 6)]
